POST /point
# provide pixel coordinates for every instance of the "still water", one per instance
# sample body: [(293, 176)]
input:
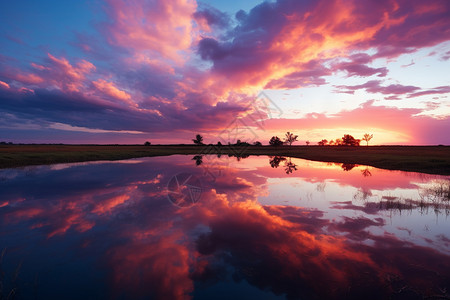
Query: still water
[(184, 227)]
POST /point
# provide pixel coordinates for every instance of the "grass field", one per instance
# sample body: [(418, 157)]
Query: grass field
[(425, 159)]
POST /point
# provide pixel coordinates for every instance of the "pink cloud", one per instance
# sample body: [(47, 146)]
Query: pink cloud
[(111, 90), (374, 86), (277, 39), (38, 67), (65, 75), (394, 90), (28, 78), (433, 91), (55, 72), (362, 70), (357, 66), (311, 74), (162, 27), (4, 85)]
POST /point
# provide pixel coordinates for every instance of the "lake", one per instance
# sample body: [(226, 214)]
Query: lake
[(208, 227)]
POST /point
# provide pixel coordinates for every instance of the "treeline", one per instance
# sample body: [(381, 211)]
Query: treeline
[(346, 140), (290, 138)]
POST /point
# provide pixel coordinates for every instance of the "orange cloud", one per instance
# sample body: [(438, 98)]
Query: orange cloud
[(266, 49), (110, 204), (110, 89), (4, 85)]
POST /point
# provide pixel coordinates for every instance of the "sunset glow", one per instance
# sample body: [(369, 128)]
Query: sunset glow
[(117, 71), (285, 234)]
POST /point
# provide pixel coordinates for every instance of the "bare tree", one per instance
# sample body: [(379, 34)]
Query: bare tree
[(290, 138), (367, 137)]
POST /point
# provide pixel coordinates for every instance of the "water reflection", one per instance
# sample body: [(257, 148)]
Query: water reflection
[(199, 159), (366, 172), (348, 167), (289, 166), (432, 197), (107, 230)]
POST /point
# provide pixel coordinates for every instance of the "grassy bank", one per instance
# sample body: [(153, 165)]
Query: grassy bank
[(425, 159)]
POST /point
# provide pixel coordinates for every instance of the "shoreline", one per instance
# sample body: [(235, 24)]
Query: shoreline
[(422, 159)]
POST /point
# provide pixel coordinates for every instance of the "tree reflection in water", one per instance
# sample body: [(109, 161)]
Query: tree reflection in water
[(289, 166), (348, 167), (250, 233)]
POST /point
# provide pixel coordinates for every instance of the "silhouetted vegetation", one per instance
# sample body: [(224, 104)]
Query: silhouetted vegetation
[(322, 142), (367, 137), (198, 140), (290, 138), (275, 161), (289, 166), (239, 143), (336, 142), (275, 141), (432, 199), (307, 143), (257, 144), (366, 172), (198, 159), (349, 140), (347, 167), (147, 143), (425, 159)]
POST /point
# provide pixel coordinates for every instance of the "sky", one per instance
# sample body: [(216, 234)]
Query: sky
[(129, 71)]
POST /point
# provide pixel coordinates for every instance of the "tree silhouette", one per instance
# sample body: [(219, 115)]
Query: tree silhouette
[(366, 172), (147, 143), (347, 167), (289, 166), (198, 160), (275, 141), (257, 143), (198, 140), (367, 137), (322, 142), (275, 161), (349, 140), (290, 138), (307, 143)]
